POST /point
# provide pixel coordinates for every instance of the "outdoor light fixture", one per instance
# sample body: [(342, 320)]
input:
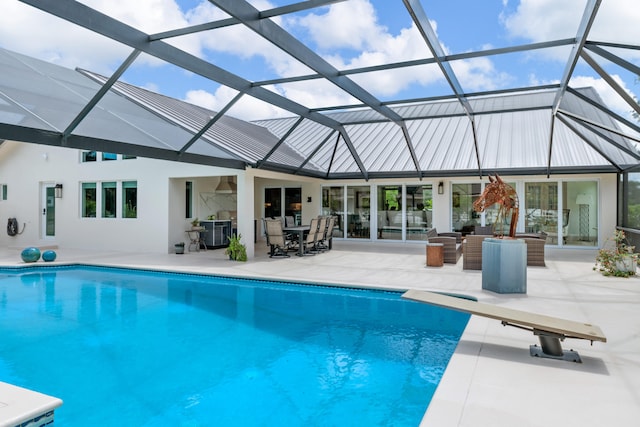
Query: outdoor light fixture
[(58, 191), (308, 199), (441, 187)]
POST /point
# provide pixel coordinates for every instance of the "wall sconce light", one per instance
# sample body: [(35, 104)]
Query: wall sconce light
[(308, 199), (58, 191), (441, 187)]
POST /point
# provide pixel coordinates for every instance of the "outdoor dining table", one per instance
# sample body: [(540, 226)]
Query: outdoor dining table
[(301, 231)]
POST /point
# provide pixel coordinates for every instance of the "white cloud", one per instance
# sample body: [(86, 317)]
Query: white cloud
[(544, 20), (478, 74), (31, 32), (618, 21), (247, 108), (351, 24), (349, 36), (608, 95)]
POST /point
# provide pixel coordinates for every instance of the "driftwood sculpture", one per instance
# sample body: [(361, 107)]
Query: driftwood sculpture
[(501, 193)]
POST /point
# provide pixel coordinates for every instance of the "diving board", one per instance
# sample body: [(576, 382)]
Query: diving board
[(550, 330)]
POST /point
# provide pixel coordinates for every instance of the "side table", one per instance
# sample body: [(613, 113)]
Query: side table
[(435, 254)]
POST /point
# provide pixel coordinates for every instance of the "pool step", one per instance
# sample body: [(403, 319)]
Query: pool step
[(20, 406)]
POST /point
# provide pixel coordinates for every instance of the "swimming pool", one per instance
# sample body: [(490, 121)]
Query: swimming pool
[(142, 348)]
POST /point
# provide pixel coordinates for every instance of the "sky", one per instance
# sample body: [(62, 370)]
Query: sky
[(349, 34)]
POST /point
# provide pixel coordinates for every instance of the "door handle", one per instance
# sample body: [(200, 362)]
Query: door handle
[(44, 211)]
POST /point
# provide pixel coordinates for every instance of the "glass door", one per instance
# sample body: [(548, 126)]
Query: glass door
[(463, 217), (579, 225), (389, 212), (541, 210), (418, 204), (333, 204), (293, 204), (48, 225), (272, 202), (275, 208), (359, 212)]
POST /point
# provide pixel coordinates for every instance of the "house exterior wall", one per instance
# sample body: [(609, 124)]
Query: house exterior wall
[(602, 221), (160, 218)]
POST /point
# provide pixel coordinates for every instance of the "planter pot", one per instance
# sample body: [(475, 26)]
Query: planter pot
[(627, 264), (30, 254), (179, 249)]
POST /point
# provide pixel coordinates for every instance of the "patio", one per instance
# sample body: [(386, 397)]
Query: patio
[(491, 379)]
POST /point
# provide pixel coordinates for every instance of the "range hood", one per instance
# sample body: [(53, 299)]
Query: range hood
[(226, 185)]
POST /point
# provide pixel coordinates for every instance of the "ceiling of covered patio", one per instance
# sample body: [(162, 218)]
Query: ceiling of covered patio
[(440, 124)]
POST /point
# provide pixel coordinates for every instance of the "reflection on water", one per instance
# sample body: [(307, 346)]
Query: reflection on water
[(169, 349)]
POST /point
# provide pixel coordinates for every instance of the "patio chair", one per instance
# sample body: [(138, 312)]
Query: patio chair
[(535, 251), (472, 252), (322, 233), (276, 240), (325, 242), (452, 241), (289, 221), (310, 243), (486, 230)]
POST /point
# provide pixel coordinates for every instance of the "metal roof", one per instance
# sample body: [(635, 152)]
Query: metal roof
[(522, 130)]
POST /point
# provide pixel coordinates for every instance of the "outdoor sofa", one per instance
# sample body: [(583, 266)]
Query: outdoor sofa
[(452, 242), (472, 250)]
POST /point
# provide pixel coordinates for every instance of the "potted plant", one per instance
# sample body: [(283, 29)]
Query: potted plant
[(179, 247), (195, 224), (619, 261), (236, 250)]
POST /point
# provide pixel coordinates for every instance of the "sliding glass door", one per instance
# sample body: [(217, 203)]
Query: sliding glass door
[(404, 213), (463, 217), (281, 202)]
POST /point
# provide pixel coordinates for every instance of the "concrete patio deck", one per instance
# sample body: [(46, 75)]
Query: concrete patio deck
[(491, 379)]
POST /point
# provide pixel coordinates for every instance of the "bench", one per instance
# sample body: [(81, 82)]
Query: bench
[(550, 330)]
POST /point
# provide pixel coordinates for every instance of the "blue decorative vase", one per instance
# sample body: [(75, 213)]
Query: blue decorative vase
[(30, 254), (49, 256)]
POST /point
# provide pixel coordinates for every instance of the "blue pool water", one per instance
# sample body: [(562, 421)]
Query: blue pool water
[(142, 348)]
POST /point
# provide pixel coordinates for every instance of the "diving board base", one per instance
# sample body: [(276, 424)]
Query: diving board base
[(568, 355), (550, 346)]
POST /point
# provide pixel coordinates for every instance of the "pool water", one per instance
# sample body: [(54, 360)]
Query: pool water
[(141, 348)]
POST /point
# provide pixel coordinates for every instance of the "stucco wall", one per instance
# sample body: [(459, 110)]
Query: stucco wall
[(161, 198), (161, 205)]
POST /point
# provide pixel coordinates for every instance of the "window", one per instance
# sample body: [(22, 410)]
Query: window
[(108, 199), (3, 196), (404, 215), (463, 217), (89, 156), (130, 199), (89, 200), (272, 202), (541, 210), (419, 204), (108, 204), (632, 210), (109, 156), (293, 203), (333, 204), (188, 196), (128, 156), (359, 211)]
